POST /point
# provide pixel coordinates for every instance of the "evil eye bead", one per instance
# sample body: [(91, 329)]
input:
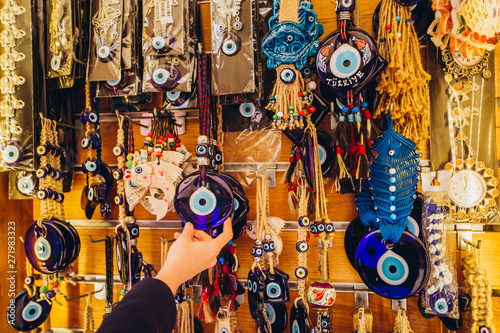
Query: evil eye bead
[(391, 152), (202, 150), (11, 154), (321, 227), (42, 150), (103, 52), (224, 330), (306, 72), (29, 280), (119, 199), (91, 165), (288, 76), (160, 76), (257, 251), (60, 197), (314, 229), (392, 268), (138, 170), (301, 272), (267, 247), (273, 290), (43, 249), (247, 109), (92, 117), (118, 151), (85, 143), (159, 43), (42, 194), (32, 311), (202, 201), (304, 221), (118, 174), (345, 61), (55, 63), (218, 158), (42, 172), (441, 306), (484, 329), (26, 185), (302, 246), (231, 44), (329, 228)]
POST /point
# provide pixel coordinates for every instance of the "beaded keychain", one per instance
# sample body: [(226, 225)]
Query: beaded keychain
[(290, 42), (478, 287), (403, 86), (321, 293)]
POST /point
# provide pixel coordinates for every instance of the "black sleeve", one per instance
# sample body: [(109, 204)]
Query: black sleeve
[(148, 308)]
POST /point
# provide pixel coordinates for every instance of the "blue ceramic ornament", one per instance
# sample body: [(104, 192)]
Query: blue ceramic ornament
[(299, 319), (289, 42)]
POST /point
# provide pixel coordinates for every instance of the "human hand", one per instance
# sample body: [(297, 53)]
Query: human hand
[(191, 253)]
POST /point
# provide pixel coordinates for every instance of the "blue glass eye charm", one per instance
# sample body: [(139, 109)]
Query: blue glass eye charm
[(165, 78), (354, 233), (247, 109), (277, 315), (288, 76), (299, 320), (276, 287), (27, 313), (204, 206), (394, 271), (231, 44), (255, 283), (44, 247), (290, 42), (442, 302)]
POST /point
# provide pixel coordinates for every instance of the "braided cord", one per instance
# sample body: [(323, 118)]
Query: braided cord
[(44, 160), (120, 184)]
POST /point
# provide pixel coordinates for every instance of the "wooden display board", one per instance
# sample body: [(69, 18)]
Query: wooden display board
[(341, 208)]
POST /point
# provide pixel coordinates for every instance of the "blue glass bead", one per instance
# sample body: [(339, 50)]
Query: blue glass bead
[(355, 109), (393, 217), (398, 18), (437, 263), (392, 180), (364, 104), (392, 198), (382, 40), (345, 109)]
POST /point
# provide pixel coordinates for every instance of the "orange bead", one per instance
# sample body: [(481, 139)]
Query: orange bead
[(491, 202), (457, 87), (458, 162), (286, 116), (448, 166)]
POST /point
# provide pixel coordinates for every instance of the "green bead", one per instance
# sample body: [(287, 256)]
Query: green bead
[(326, 200), (61, 278), (291, 108), (129, 164), (272, 98), (44, 289), (171, 144), (304, 93), (123, 291), (295, 114), (275, 116)]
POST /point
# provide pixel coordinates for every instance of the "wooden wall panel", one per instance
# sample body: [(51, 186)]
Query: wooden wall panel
[(341, 208)]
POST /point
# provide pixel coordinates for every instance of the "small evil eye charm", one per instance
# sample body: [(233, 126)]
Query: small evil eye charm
[(12, 153), (60, 197), (202, 150), (304, 221), (345, 62), (255, 283), (218, 157), (484, 329), (276, 287), (118, 150), (288, 76), (165, 80), (268, 246), (314, 229), (329, 228), (42, 172), (43, 150), (26, 184), (247, 109), (321, 226), (302, 246), (42, 194), (119, 199), (301, 272), (105, 54), (306, 72), (42, 249), (133, 230), (86, 143), (231, 44), (257, 251), (29, 280), (90, 165), (162, 44), (55, 63), (442, 302), (118, 174), (324, 322)]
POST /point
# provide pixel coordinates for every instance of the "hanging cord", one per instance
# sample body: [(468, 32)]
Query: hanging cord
[(57, 165), (31, 289), (204, 101), (185, 317), (402, 324), (220, 134), (89, 326), (120, 184), (44, 160), (478, 287), (302, 233)]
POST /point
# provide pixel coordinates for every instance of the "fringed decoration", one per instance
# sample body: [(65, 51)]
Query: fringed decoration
[(404, 83), (205, 313), (362, 320)]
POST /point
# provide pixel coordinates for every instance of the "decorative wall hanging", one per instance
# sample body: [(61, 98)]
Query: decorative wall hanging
[(232, 47), (204, 198), (347, 61), (16, 125), (60, 36), (50, 243), (99, 177), (403, 86), (291, 41), (391, 261), (478, 287), (274, 226), (440, 296), (104, 61)]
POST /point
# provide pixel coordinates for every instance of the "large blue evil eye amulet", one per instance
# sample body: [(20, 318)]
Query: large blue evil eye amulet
[(205, 206), (394, 271), (26, 313), (348, 65), (45, 247)]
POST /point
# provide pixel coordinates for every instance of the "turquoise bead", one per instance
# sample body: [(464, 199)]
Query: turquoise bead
[(392, 198), (392, 180), (398, 18), (393, 217)]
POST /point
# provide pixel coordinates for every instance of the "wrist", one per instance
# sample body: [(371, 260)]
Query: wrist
[(169, 278)]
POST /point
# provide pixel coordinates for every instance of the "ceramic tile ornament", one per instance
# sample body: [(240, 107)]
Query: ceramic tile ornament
[(291, 41)]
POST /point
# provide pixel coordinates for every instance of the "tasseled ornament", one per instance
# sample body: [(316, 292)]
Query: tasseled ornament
[(362, 320), (185, 317), (215, 304), (227, 286), (205, 312)]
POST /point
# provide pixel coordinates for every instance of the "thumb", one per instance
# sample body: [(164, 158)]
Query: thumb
[(188, 230)]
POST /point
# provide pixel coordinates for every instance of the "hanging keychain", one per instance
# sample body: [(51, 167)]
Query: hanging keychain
[(401, 323), (362, 319)]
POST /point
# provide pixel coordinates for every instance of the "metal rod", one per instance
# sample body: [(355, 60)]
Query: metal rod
[(82, 296)]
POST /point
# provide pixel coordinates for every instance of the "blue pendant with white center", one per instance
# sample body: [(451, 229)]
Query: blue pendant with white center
[(393, 270), (27, 313)]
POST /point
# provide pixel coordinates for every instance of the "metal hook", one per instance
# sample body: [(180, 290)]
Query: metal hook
[(60, 124), (163, 241), (82, 296), (100, 240)]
